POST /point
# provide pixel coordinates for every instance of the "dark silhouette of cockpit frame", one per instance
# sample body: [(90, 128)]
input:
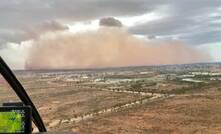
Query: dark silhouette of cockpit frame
[(21, 93)]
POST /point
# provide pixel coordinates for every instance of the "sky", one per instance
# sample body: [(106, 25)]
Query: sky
[(196, 23)]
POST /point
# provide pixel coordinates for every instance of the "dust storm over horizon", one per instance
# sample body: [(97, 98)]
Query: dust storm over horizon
[(72, 34), (107, 47)]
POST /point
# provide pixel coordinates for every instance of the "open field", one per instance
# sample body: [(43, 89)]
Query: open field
[(191, 113), (129, 100)]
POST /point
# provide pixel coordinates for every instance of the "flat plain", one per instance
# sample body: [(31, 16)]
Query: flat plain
[(162, 99)]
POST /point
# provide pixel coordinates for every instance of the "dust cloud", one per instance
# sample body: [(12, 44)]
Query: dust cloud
[(107, 47)]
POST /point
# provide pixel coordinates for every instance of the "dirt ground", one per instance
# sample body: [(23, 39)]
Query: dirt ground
[(66, 106), (191, 113)]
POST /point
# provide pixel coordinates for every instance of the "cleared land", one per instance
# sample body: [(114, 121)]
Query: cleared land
[(135, 100)]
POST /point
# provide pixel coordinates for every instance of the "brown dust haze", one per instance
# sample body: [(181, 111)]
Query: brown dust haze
[(107, 47)]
